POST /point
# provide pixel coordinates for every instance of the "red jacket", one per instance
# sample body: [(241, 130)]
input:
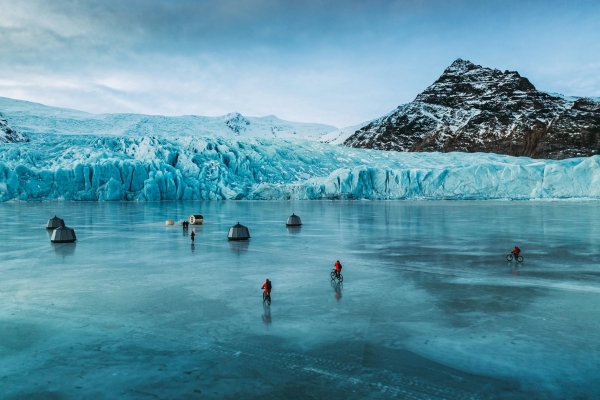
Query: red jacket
[(264, 286), (338, 266), (516, 250)]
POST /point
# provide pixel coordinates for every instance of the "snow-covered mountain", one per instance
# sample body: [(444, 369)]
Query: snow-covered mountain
[(32, 118), (8, 134), (339, 136), (189, 168), (475, 109)]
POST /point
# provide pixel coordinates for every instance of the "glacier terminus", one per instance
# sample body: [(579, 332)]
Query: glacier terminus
[(152, 168)]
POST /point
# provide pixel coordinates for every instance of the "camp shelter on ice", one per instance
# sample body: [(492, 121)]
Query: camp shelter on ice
[(238, 232), (63, 234), (55, 222), (293, 220), (195, 219)]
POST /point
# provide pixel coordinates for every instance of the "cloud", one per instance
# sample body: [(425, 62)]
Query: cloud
[(331, 61)]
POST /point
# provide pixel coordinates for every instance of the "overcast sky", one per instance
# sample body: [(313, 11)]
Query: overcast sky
[(330, 61)]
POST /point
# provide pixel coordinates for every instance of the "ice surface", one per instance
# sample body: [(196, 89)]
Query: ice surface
[(429, 308), (192, 168)]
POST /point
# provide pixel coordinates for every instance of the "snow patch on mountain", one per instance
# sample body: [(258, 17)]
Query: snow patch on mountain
[(339, 136)]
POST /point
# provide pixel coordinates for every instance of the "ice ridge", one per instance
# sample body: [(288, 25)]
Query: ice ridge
[(154, 168)]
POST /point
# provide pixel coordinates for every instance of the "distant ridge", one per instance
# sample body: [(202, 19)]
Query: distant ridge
[(475, 109), (33, 119)]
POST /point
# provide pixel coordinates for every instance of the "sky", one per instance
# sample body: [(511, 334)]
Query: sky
[(338, 62)]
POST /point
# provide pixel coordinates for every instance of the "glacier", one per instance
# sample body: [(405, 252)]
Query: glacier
[(53, 153), (34, 118), (154, 168)]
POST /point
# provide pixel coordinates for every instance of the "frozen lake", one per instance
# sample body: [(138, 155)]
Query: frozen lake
[(429, 307)]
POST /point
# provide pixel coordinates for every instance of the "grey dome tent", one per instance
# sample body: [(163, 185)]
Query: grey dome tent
[(293, 220), (55, 222), (63, 234), (238, 232)]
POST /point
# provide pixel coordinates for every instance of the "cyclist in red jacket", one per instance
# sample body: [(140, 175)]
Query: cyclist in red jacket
[(516, 251), (338, 267), (267, 286)]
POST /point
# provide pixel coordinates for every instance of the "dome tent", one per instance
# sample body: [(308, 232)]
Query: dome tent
[(293, 220), (238, 232), (55, 222), (63, 234)]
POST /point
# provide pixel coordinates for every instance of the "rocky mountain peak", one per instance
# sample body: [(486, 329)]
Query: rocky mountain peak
[(236, 122), (465, 84), (472, 108), (460, 66)]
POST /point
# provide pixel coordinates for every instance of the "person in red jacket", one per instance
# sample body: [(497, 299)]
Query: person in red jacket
[(516, 251), (338, 267), (267, 286)]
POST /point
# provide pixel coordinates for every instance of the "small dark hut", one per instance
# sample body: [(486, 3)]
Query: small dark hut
[(55, 222), (293, 220), (63, 234), (238, 232)]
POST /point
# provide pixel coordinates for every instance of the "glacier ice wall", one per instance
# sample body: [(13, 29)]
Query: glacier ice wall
[(191, 168)]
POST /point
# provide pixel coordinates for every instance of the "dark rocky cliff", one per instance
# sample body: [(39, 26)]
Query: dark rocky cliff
[(475, 109), (8, 134)]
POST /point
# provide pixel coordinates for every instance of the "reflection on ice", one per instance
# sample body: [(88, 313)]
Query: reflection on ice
[(266, 317), (515, 269), (64, 249), (294, 230), (239, 247), (337, 288)]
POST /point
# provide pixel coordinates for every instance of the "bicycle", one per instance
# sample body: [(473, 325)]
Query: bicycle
[(512, 255), (266, 298), (335, 275)]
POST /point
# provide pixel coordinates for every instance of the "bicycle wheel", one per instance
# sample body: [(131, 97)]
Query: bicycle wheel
[(509, 257), (341, 278), (264, 296), (269, 300), (520, 258), (333, 274)]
